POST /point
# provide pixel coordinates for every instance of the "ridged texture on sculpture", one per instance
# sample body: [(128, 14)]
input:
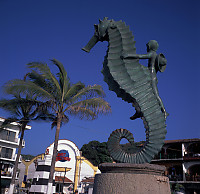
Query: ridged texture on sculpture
[(131, 81)]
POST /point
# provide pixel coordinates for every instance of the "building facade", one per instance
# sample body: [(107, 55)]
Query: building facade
[(71, 170), (182, 161), (9, 141), (74, 172)]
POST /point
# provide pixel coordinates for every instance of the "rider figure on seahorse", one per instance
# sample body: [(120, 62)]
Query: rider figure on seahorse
[(154, 65)]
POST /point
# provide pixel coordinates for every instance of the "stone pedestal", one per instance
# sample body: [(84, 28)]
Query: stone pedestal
[(125, 178)]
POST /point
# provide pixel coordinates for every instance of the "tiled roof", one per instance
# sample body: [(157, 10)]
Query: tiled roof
[(60, 179), (172, 141), (182, 140)]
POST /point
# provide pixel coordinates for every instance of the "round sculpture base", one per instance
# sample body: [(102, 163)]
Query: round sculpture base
[(125, 178)]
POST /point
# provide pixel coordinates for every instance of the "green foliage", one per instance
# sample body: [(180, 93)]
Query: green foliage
[(96, 152), (23, 108), (176, 187), (27, 156), (179, 187)]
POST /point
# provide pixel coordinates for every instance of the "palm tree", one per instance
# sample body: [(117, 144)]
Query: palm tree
[(23, 111), (66, 99)]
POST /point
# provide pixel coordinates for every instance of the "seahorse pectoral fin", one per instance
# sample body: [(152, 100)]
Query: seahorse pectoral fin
[(91, 43), (124, 55)]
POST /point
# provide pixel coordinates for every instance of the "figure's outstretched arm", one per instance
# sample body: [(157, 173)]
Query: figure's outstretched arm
[(136, 56)]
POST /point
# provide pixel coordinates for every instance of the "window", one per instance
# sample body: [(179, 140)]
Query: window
[(7, 135), (6, 152)]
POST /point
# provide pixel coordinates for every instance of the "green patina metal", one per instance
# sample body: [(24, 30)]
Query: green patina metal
[(135, 84)]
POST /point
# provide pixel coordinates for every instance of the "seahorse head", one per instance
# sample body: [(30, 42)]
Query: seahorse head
[(102, 28), (101, 33)]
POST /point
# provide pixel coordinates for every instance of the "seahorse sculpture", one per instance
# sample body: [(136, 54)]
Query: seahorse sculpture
[(135, 84)]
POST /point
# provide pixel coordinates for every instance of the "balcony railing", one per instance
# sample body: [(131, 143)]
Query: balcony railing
[(15, 140), (193, 178), (6, 173), (192, 157), (167, 156), (9, 138), (9, 174)]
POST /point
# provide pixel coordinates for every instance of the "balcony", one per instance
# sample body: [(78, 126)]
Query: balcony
[(175, 177), (170, 156), (12, 141), (195, 156), (192, 177), (9, 140), (6, 174), (6, 156)]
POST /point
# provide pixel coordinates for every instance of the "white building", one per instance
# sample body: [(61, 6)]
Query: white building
[(71, 170), (9, 141)]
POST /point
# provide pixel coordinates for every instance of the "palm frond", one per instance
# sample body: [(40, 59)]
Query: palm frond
[(26, 109), (26, 87), (73, 91), (88, 92), (11, 106), (63, 79), (41, 81), (44, 71), (45, 117), (89, 108), (82, 113), (61, 68)]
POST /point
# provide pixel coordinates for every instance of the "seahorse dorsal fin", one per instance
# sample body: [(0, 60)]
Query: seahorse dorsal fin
[(112, 24)]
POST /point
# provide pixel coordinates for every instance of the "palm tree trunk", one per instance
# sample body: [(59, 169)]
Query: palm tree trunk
[(12, 183), (50, 182)]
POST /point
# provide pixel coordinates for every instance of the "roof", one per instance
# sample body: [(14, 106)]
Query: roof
[(88, 180), (140, 144), (14, 123), (182, 140), (61, 178)]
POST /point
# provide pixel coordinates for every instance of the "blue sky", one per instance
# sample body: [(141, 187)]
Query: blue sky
[(42, 30)]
